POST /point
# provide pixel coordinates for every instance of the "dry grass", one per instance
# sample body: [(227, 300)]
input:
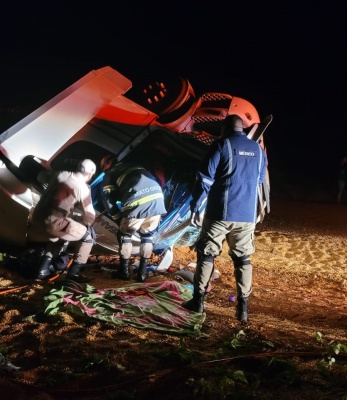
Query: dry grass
[(300, 288)]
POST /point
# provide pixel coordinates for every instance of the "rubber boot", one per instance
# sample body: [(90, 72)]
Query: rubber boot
[(242, 309), (123, 271), (74, 273), (45, 270), (196, 303), (142, 271)]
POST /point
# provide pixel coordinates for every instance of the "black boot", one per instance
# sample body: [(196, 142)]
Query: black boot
[(196, 303), (74, 273), (46, 269), (242, 309), (142, 271), (123, 271)]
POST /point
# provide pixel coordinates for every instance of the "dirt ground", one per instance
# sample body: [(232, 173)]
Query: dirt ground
[(294, 347)]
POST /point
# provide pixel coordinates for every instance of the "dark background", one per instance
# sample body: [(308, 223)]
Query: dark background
[(287, 58)]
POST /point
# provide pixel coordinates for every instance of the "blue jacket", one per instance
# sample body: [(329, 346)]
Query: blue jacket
[(131, 190), (229, 175)]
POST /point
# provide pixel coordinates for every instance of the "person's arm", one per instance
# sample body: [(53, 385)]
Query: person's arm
[(205, 177), (263, 164), (87, 206), (46, 177), (110, 196)]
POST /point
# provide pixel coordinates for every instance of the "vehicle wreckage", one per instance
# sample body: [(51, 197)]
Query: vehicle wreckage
[(162, 125)]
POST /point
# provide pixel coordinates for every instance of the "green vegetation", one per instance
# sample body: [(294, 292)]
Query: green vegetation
[(330, 350)]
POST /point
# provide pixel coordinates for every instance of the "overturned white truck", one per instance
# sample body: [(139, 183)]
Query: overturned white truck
[(163, 125)]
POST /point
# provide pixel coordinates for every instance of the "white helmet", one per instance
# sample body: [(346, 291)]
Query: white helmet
[(87, 166)]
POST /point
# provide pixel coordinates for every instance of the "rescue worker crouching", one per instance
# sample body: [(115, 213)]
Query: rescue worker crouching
[(142, 205), (52, 220)]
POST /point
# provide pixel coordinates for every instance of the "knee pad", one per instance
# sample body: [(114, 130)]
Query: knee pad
[(239, 262), (148, 234), (200, 256), (145, 239), (87, 238), (124, 239), (207, 257), (207, 247), (125, 246), (200, 247)]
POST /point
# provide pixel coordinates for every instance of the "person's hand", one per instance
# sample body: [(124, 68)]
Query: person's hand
[(196, 219)]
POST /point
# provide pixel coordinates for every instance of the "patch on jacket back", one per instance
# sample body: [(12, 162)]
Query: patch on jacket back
[(246, 153)]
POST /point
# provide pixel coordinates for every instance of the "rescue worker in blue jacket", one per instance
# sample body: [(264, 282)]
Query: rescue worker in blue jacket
[(228, 177), (141, 207)]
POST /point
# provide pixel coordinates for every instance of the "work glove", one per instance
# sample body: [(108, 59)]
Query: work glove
[(196, 220)]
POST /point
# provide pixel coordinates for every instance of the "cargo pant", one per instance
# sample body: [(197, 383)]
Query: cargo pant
[(56, 231), (146, 228), (240, 239)]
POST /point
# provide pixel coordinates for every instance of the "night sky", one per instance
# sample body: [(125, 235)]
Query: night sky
[(287, 58)]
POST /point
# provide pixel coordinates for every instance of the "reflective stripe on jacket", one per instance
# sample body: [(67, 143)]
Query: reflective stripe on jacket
[(137, 191), (229, 175)]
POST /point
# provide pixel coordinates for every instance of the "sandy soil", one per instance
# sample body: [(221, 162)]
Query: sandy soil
[(300, 289)]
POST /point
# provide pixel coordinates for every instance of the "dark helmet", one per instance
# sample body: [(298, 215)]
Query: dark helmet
[(232, 123), (107, 161)]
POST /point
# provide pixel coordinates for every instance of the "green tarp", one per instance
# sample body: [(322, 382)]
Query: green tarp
[(155, 306)]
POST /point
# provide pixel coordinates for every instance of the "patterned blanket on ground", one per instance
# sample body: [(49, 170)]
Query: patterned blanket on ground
[(155, 306)]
